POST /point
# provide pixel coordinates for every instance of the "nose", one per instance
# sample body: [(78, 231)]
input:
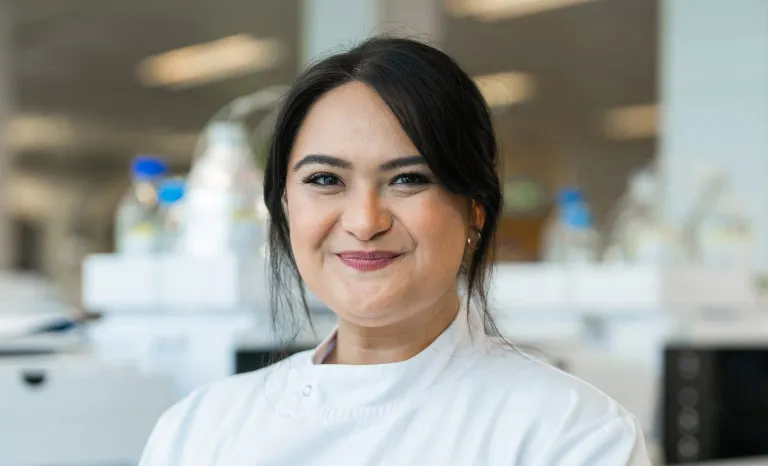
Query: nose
[(365, 216)]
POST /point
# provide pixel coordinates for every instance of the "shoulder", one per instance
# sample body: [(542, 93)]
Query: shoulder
[(210, 412), (563, 419), (517, 377), (216, 400)]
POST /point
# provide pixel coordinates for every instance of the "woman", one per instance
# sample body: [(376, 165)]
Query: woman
[(384, 200)]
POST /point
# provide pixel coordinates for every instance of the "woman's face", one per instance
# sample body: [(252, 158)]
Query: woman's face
[(374, 235)]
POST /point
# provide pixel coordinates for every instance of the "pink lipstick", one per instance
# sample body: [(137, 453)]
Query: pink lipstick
[(366, 261)]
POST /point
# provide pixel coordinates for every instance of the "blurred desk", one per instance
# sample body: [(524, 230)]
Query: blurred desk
[(72, 409)]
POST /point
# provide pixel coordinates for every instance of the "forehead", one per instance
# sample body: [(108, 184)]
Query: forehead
[(354, 122)]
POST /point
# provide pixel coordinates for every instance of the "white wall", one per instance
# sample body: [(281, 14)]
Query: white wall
[(714, 91)]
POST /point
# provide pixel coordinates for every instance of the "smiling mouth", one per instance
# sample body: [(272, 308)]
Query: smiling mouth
[(367, 261)]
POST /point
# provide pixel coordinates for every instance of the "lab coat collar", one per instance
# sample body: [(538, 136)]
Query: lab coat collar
[(351, 390), (324, 349)]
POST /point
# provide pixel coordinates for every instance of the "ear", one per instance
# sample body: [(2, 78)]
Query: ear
[(477, 216)]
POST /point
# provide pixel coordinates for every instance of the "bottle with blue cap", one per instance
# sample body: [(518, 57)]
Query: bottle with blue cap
[(580, 237), (570, 235), (136, 224), (171, 213)]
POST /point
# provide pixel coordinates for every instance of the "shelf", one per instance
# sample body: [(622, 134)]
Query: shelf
[(611, 289), (175, 283)]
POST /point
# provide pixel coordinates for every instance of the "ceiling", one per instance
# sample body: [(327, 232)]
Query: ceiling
[(599, 53), (77, 58), (585, 59)]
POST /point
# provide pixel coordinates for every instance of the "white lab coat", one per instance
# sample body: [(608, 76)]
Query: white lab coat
[(463, 401)]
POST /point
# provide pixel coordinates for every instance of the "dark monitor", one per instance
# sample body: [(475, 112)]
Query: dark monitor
[(715, 402), (249, 359)]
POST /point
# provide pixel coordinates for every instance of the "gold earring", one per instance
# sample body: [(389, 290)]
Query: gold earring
[(479, 238)]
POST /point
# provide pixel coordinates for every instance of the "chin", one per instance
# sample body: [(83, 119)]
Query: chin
[(369, 308)]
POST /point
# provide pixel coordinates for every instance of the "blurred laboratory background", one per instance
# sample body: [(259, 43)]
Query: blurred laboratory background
[(632, 252)]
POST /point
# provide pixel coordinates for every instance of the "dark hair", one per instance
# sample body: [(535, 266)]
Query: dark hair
[(442, 112)]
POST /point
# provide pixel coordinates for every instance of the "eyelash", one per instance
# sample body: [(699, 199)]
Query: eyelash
[(418, 179), (316, 177)]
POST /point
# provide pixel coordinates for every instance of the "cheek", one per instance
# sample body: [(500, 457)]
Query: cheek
[(309, 222), (438, 226)]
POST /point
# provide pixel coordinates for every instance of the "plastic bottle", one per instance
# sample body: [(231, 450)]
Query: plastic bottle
[(223, 196), (171, 213), (724, 236), (717, 230), (570, 235), (580, 240), (137, 223), (552, 242), (637, 233)]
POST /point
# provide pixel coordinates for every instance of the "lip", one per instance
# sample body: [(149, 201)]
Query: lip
[(367, 261)]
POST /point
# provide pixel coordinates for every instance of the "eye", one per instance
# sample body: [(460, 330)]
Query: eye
[(322, 179), (411, 179)]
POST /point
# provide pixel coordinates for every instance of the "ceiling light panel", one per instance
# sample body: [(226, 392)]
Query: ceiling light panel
[(209, 62), (505, 89), (496, 10), (632, 122)]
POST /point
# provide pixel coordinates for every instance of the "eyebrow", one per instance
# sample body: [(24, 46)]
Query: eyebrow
[(338, 162), (401, 162), (322, 159)]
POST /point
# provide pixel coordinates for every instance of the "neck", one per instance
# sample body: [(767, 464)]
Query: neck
[(360, 345)]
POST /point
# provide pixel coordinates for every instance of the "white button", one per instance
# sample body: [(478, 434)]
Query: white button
[(307, 390)]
